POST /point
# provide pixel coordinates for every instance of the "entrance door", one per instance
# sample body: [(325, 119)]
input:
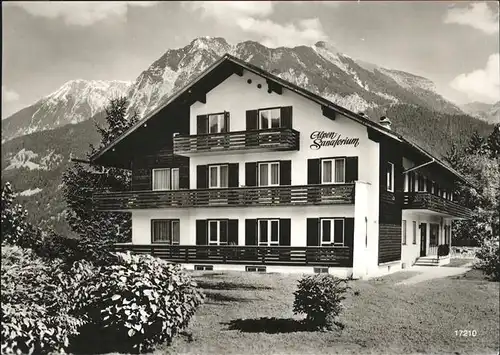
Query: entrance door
[(423, 238)]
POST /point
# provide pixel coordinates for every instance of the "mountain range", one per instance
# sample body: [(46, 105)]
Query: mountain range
[(481, 110), (39, 141)]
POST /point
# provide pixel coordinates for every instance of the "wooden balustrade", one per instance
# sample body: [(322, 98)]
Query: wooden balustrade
[(428, 201), (230, 254), (243, 196), (267, 139)]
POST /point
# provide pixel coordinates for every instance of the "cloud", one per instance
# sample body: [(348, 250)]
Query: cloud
[(481, 84), (9, 95), (80, 13), (477, 15), (272, 34), (251, 17)]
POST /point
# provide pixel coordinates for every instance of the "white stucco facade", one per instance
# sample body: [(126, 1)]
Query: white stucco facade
[(235, 95)]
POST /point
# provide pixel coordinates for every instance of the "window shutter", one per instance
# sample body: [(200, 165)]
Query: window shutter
[(252, 120), (250, 232), (286, 117), (226, 121), (313, 232), (201, 176), (250, 174), (351, 169), (233, 172), (285, 172), (313, 171), (202, 124), (201, 232), (232, 229), (184, 177), (285, 231), (349, 236)]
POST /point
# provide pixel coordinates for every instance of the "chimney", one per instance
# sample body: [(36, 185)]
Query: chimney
[(385, 122)]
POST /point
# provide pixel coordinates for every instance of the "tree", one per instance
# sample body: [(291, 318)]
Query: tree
[(98, 231), (477, 145), (481, 168), (494, 142)]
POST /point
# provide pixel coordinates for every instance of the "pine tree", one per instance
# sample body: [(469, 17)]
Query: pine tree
[(98, 231), (477, 145), (494, 142)]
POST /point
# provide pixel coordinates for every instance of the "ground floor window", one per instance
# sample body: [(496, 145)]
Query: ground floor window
[(403, 227), (332, 232), (165, 231), (268, 232), (414, 231), (217, 232)]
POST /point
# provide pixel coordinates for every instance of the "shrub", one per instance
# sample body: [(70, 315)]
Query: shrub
[(138, 302), (38, 314), (443, 250), (320, 298), (489, 258)]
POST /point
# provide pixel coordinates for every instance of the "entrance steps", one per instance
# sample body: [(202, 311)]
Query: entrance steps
[(432, 260)]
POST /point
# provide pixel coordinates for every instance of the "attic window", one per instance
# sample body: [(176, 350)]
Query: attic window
[(249, 81)]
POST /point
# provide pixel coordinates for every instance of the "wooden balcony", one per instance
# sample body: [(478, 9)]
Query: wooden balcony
[(430, 202), (275, 139), (229, 197), (254, 255)]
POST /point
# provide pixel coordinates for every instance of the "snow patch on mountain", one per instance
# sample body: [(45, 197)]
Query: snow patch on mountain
[(23, 159), (394, 100), (30, 192), (28, 159)]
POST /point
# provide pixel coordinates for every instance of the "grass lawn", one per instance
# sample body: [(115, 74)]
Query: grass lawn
[(249, 313), (459, 262)]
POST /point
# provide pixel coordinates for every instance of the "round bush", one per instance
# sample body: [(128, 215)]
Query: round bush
[(38, 314), (320, 297), (489, 258), (138, 302)]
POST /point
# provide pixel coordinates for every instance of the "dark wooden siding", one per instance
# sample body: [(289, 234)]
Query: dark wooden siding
[(143, 165), (390, 203), (152, 147)]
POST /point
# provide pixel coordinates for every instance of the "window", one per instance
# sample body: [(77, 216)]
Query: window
[(217, 232), (269, 232), (217, 123), (404, 232), (166, 179), (218, 176), (390, 176), (414, 230), (270, 118), (332, 232), (333, 171), (269, 174), (165, 231)]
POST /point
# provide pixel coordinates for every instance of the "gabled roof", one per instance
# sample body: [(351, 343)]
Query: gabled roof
[(326, 104)]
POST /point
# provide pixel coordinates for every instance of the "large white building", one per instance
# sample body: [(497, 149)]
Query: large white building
[(241, 170)]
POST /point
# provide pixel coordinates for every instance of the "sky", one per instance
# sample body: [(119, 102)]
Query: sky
[(44, 45)]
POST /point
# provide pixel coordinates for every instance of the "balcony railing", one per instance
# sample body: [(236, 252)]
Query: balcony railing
[(243, 196), (265, 139), (229, 254), (428, 201)]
